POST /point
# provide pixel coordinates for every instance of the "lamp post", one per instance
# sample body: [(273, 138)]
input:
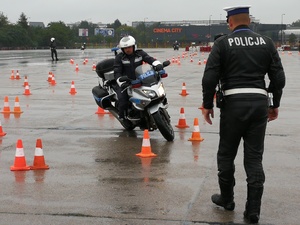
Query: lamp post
[(282, 28), (210, 27), (145, 29)]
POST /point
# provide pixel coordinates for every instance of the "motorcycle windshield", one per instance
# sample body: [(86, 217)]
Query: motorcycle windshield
[(146, 75)]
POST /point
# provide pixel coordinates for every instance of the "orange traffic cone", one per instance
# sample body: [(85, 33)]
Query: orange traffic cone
[(27, 91), (101, 111), (25, 82), (72, 61), (146, 146), (20, 161), (94, 67), (73, 89), (49, 77), (17, 75), (17, 108), (182, 121), (196, 133), (53, 82), (183, 90), (39, 160), (2, 133), (6, 108), (12, 76), (199, 62), (76, 68)]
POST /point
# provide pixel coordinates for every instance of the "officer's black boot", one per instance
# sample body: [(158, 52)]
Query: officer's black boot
[(253, 203), (225, 199)]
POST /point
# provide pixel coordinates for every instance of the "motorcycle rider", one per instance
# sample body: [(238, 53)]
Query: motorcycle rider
[(125, 64), (176, 45)]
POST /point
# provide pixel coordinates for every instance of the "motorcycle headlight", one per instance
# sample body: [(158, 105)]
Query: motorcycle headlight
[(150, 93)]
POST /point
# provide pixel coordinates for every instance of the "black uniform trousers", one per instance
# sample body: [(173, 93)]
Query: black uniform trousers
[(53, 54), (244, 116), (123, 102)]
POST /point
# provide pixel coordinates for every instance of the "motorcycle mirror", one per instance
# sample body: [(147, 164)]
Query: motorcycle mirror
[(166, 63)]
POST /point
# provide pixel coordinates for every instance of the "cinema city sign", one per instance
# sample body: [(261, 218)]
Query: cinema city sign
[(167, 30)]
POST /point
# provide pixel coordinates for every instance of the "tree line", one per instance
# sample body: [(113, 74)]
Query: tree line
[(22, 36)]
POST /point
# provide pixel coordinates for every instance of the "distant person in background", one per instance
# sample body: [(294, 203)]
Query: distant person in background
[(83, 46), (53, 49), (176, 45)]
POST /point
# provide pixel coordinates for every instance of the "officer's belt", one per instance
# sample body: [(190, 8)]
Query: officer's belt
[(245, 91)]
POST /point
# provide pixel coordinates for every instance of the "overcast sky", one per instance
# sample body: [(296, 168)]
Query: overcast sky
[(107, 11)]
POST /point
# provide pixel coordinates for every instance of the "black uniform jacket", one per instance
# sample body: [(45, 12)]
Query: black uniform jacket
[(241, 60), (52, 45), (125, 64)]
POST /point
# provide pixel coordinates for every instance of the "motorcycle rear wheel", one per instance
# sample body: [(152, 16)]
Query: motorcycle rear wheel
[(163, 123)]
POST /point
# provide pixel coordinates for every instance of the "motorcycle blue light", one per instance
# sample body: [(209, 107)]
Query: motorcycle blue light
[(135, 100), (162, 73)]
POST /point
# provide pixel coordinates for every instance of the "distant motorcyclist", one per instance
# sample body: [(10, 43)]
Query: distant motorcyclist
[(176, 45), (83, 47), (125, 65), (53, 49)]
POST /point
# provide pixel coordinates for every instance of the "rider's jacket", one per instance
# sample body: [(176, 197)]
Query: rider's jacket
[(125, 64), (241, 60), (52, 45)]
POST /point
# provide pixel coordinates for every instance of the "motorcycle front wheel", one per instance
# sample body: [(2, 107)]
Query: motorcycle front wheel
[(163, 123)]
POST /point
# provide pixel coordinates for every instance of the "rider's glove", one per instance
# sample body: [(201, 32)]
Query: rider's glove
[(122, 83), (157, 65)]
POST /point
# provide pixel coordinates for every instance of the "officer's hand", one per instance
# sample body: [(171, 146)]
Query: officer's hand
[(272, 114), (207, 113)]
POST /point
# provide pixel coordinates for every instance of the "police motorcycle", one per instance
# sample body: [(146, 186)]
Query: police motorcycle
[(147, 97)]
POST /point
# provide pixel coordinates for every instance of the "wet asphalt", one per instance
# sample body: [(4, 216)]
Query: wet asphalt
[(95, 176)]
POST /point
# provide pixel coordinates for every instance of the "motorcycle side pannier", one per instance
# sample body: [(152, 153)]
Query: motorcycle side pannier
[(104, 66)]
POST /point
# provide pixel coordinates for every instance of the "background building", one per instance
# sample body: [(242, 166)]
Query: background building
[(201, 31)]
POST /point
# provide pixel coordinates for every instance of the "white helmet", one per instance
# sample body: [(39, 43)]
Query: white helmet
[(127, 42), (52, 39)]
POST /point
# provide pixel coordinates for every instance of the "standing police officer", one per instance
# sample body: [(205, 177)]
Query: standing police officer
[(53, 49), (238, 64)]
